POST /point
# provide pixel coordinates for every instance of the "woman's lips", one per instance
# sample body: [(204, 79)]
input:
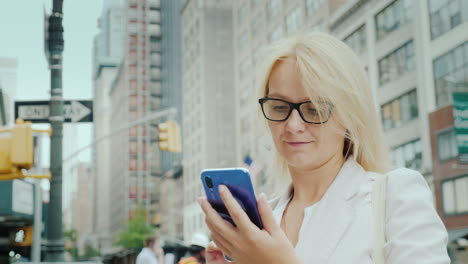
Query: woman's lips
[(298, 143)]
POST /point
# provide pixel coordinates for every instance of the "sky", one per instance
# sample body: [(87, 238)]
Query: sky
[(22, 37)]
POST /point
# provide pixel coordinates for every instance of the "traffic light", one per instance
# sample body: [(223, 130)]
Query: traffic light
[(22, 151), (16, 150), (169, 136)]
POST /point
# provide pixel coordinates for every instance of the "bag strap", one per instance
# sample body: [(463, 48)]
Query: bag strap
[(378, 211)]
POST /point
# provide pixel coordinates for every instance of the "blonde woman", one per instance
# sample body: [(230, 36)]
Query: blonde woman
[(324, 124)]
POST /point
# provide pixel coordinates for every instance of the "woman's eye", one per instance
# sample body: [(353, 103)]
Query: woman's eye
[(280, 108), (312, 111)]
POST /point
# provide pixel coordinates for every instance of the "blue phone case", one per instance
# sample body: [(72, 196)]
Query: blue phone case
[(237, 180)]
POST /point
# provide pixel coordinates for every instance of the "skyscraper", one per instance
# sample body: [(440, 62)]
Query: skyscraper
[(208, 92)]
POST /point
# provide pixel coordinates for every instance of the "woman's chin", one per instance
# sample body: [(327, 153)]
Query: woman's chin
[(301, 162)]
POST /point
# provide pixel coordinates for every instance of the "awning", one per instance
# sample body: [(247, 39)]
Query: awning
[(457, 233)]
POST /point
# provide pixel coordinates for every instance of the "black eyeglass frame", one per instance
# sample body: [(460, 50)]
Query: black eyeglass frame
[(292, 106)]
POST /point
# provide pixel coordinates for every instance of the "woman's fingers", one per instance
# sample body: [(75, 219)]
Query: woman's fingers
[(221, 243), (235, 210), (268, 219), (214, 221)]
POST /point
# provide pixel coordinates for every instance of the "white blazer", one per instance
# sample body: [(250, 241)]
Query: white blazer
[(339, 228)]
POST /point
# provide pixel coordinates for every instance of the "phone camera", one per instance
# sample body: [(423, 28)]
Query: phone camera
[(209, 182)]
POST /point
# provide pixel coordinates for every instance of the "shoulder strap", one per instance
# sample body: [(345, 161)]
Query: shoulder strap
[(378, 211)]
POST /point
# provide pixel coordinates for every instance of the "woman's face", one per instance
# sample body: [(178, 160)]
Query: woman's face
[(301, 144)]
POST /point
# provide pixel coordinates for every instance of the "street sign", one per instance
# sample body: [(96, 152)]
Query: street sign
[(38, 111)]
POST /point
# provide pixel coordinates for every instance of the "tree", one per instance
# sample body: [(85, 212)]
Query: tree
[(90, 252), (70, 242), (136, 231)]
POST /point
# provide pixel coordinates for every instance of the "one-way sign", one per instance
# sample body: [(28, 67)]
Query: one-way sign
[(38, 111)]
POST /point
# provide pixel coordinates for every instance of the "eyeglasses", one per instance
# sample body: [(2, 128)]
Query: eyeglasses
[(279, 110)]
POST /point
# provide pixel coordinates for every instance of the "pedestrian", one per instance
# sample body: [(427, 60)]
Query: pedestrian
[(152, 253), (326, 131), (197, 247)]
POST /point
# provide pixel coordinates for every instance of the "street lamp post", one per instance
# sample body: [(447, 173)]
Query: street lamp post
[(55, 243)]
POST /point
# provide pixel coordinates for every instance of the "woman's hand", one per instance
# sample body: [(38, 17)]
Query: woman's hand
[(214, 255), (246, 243)]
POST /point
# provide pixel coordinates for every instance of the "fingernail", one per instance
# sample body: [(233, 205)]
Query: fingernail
[(263, 197), (221, 188), (200, 200)]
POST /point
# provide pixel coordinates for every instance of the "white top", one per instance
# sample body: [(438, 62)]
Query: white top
[(146, 256), (339, 228)]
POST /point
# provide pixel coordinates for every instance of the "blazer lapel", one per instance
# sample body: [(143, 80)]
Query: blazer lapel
[(334, 213)]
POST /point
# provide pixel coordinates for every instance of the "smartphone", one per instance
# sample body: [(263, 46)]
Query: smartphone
[(237, 180)]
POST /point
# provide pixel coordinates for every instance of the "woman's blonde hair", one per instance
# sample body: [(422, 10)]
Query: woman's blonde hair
[(333, 73)]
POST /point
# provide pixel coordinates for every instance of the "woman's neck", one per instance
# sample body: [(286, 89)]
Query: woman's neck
[(309, 185)]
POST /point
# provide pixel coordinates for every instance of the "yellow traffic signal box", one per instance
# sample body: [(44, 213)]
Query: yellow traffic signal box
[(16, 148), (169, 136), (22, 148), (5, 155)]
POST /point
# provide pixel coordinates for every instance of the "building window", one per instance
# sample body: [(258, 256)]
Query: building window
[(294, 20), (257, 56), (274, 7), (451, 74), (455, 196), (397, 63), (258, 24), (244, 68), (242, 13), (446, 145), (446, 14), (254, 3), (243, 38), (312, 6), (357, 40), (277, 33), (392, 17), (320, 27), (400, 110), (408, 155)]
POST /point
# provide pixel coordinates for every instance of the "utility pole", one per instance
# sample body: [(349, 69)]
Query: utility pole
[(55, 243)]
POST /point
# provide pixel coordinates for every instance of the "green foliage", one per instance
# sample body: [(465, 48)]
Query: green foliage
[(70, 242), (90, 252), (70, 246), (137, 230), (70, 235)]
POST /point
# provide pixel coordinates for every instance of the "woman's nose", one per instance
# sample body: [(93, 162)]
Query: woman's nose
[(295, 123)]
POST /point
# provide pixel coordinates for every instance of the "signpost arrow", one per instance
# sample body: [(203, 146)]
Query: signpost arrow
[(38, 111)]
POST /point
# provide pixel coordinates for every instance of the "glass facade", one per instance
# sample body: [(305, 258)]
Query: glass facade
[(451, 74), (397, 63), (294, 20), (455, 196), (242, 12), (276, 34), (312, 6), (446, 145), (357, 40), (392, 17), (400, 110), (408, 155), (274, 8), (446, 14)]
